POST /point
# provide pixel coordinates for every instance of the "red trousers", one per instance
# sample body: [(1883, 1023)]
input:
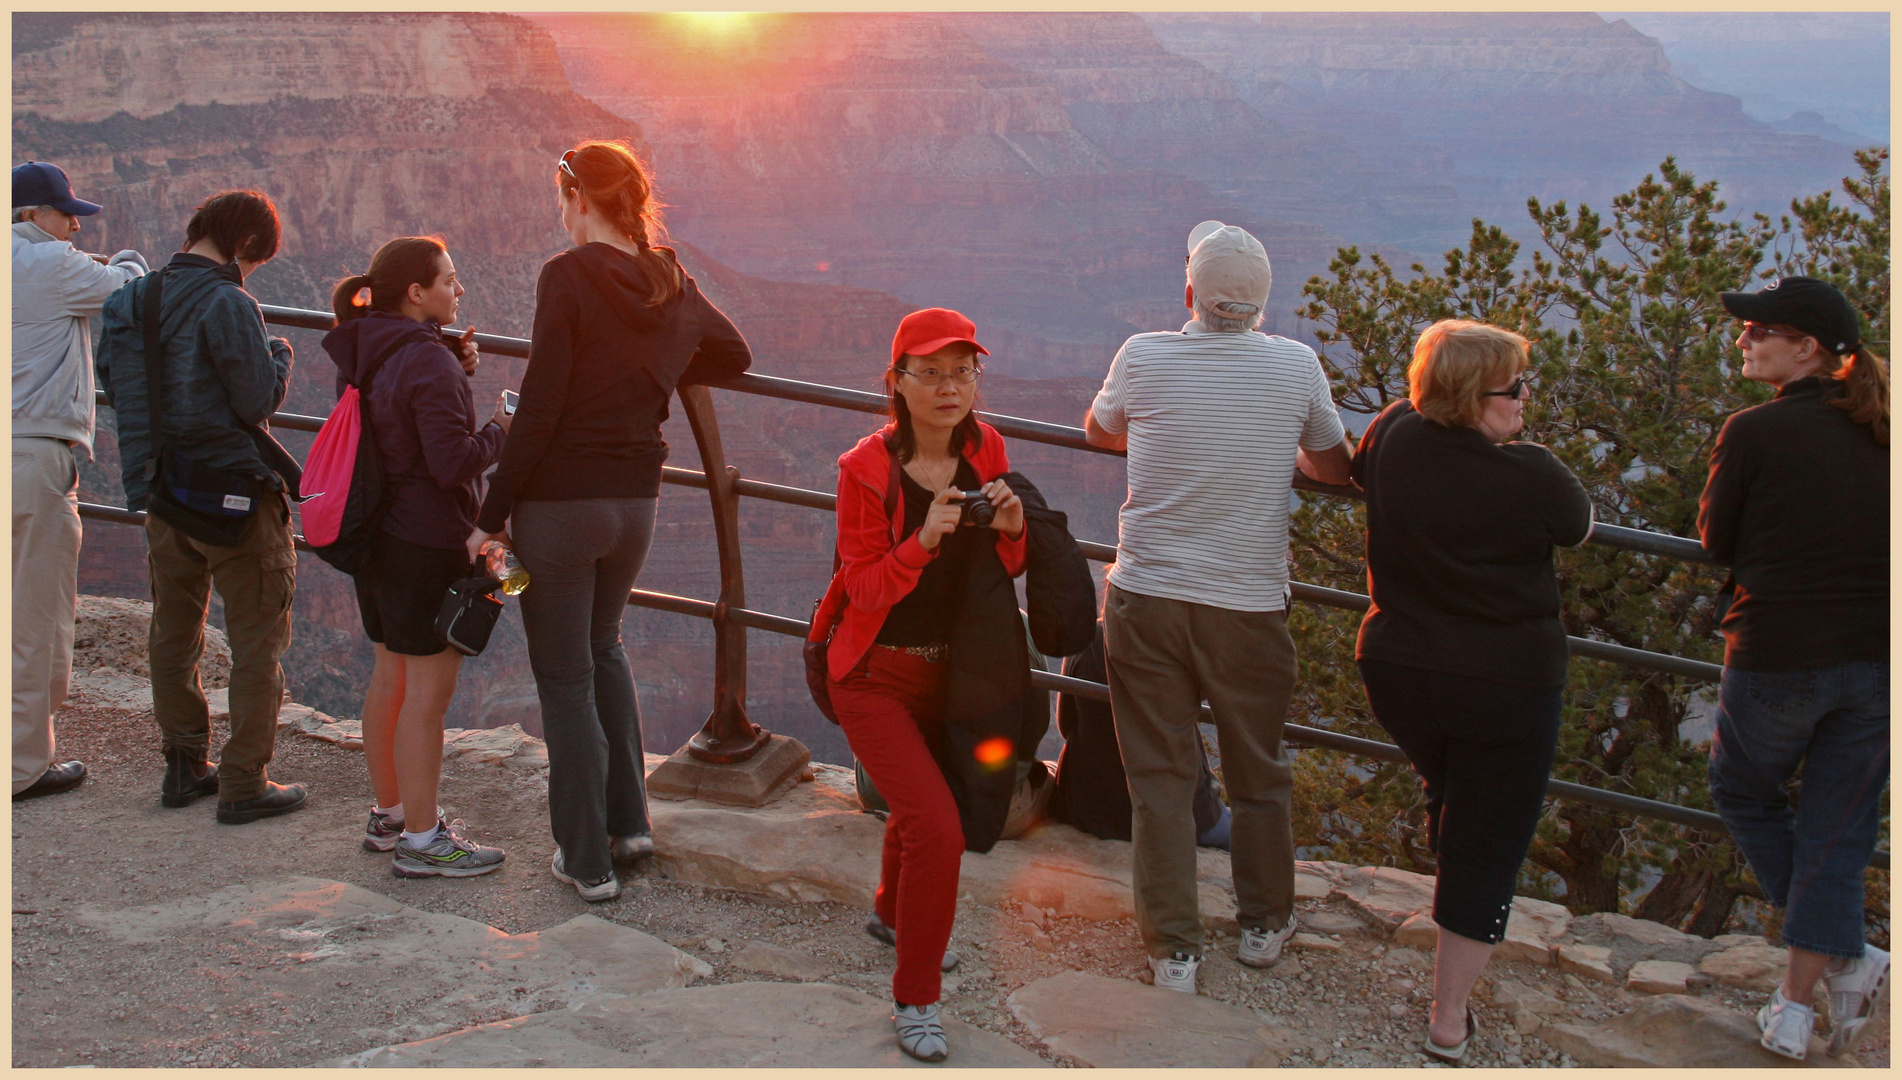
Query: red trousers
[(890, 706)]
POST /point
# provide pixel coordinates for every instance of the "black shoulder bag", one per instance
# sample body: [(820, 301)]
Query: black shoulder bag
[(209, 505)]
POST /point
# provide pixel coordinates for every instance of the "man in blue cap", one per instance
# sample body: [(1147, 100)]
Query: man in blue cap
[(56, 288)]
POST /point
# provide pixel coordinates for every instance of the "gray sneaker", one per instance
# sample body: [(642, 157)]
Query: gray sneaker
[(450, 854), (594, 892)]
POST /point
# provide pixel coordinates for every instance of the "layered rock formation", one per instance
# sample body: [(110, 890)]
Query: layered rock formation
[(1562, 106)]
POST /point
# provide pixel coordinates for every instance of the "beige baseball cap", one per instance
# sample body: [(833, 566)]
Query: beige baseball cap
[(1228, 266)]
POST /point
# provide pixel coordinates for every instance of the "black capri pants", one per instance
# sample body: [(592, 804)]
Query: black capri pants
[(1483, 750)]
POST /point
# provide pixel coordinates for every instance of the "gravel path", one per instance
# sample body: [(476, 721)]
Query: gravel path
[(82, 998)]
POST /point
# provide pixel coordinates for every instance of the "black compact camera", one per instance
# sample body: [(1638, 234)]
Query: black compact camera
[(976, 510)]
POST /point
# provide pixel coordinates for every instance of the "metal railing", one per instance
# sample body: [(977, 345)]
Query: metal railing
[(728, 736)]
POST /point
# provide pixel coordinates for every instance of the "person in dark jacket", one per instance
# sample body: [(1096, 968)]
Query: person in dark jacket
[(222, 376), (915, 594), (618, 325), (417, 405), (1462, 650), (1797, 505)]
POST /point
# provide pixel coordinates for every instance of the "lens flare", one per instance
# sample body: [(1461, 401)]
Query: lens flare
[(994, 753)]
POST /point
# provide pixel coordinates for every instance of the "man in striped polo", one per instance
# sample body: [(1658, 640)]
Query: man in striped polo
[(1215, 418)]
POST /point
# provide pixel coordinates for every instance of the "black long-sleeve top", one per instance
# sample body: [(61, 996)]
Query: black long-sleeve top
[(601, 367), (1460, 533), (1797, 505)]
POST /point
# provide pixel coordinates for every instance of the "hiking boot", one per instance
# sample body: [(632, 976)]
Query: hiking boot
[(630, 849), (920, 1031), (886, 934), (1260, 948), (1175, 973), (58, 778), (1852, 996), (1786, 1026), (188, 778), (277, 799), (448, 854), (593, 892)]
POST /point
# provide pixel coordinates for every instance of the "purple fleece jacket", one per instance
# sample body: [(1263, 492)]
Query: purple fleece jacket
[(424, 418)]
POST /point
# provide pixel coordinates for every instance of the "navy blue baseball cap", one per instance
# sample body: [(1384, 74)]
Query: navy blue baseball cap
[(38, 183)]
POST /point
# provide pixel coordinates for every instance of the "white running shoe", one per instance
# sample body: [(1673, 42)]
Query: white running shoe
[(1260, 948), (593, 892), (920, 1031), (1176, 972), (1852, 996), (1786, 1026)]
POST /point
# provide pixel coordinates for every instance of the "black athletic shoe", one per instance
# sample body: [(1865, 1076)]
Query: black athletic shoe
[(277, 799), (188, 778)]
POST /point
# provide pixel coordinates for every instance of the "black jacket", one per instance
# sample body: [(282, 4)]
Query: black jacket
[(1059, 593), (992, 716), (602, 364), (1797, 505)]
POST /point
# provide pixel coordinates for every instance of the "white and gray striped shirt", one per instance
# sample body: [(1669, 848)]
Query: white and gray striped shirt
[(1213, 420)]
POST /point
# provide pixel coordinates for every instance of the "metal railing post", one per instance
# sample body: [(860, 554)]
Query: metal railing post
[(727, 736)]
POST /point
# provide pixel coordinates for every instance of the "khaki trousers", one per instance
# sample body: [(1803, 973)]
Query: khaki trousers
[(256, 580), (1165, 658), (45, 595)]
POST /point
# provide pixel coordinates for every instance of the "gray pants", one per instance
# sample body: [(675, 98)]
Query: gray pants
[(582, 556)]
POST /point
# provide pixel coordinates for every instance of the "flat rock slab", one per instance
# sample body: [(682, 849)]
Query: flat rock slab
[(1676, 1032), (1386, 895), (768, 959), (302, 929), (1118, 1023), (816, 844), (737, 1025), (1749, 967)]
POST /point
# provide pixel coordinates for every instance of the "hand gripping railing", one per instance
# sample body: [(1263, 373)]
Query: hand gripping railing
[(728, 736)]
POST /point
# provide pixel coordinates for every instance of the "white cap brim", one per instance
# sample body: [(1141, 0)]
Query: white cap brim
[(1201, 232)]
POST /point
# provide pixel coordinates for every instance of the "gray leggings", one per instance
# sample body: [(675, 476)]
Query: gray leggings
[(582, 556)]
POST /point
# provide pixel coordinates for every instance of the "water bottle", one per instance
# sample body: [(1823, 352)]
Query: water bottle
[(503, 566)]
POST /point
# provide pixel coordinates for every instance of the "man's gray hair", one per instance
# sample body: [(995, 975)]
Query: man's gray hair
[(20, 212), (1228, 317)]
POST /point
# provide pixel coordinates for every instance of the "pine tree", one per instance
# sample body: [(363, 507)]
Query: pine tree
[(1637, 371)]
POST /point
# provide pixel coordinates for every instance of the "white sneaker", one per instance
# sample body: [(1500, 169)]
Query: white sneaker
[(1259, 948), (1175, 973), (1786, 1026), (1852, 996), (592, 891), (920, 1031)]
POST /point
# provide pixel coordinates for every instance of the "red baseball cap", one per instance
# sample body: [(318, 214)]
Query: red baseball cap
[(926, 331)]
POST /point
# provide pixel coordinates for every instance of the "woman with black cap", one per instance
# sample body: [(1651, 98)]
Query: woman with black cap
[(1797, 505)]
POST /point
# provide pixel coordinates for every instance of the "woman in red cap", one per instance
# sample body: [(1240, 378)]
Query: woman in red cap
[(905, 562)]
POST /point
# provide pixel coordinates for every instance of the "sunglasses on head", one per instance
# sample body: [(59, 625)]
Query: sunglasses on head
[(567, 168), (1519, 386), (1758, 331)]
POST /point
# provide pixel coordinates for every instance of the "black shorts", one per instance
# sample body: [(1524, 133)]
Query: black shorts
[(401, 591)]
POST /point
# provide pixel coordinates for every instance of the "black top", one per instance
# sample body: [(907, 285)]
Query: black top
[(601, 367), (925, 615), (1797, 505), (1459, 550)]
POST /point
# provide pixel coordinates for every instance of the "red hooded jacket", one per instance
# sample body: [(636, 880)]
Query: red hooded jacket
[(873, 575)]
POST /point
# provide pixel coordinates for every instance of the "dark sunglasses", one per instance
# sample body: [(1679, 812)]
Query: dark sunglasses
[(1520, 386), (567, 168), (1758, 331)]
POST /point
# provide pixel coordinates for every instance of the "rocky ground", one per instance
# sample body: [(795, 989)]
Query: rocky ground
[(149, 943)]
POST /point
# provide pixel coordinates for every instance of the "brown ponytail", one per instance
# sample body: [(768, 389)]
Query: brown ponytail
[(1864, 393), (404, 261), (615, 183)]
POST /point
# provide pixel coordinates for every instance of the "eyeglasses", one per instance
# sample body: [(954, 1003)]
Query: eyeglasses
[(567, 168), (964, 375), (1521, 387), (1758, 331)]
